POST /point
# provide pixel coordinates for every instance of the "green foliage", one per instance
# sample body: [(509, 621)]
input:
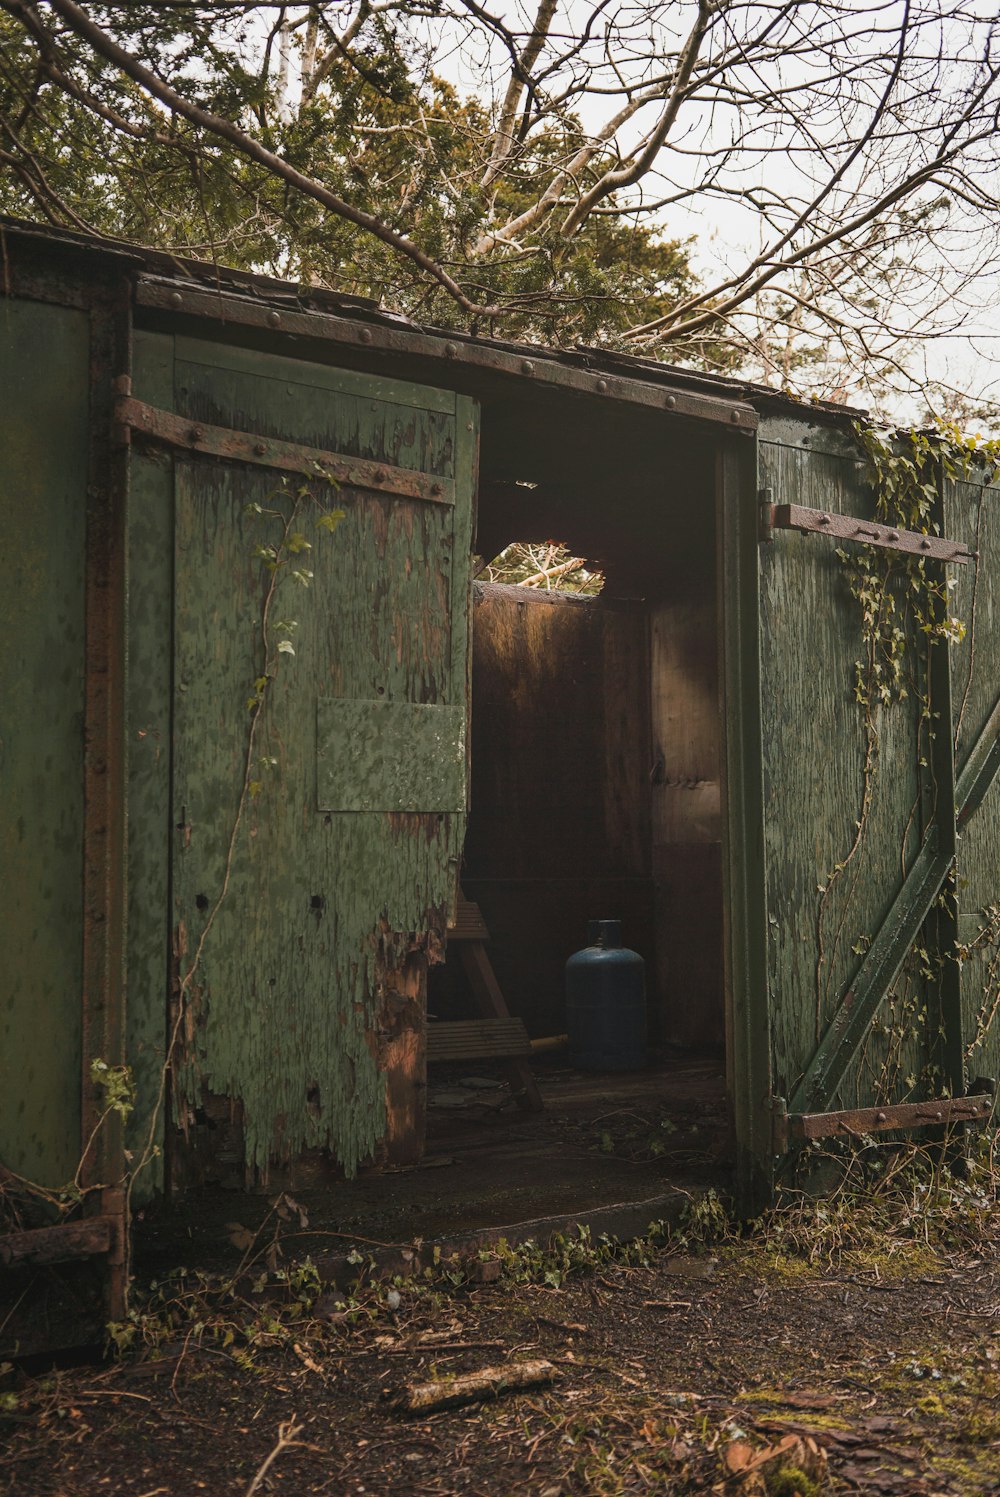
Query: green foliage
[(902, 604), (548, 566), (117, 1086), (791, 1481), (705, 1220), (381, 132)]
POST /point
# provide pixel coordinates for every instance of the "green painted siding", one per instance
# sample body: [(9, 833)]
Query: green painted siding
[(44, 359), (150, 522), (972, 515), (814, 746), (323, 905)]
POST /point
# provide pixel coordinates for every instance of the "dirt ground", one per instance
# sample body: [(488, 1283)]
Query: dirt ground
[(671, 1372), (601, 1140)]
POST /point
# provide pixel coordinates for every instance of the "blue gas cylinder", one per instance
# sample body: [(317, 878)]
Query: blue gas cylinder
[(606, 1002)]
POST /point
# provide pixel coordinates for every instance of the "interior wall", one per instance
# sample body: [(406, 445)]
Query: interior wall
[(559, 826), (596, 725), (685, 820)]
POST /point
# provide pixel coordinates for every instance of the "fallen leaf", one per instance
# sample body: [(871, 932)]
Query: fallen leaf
[(793, 1450), (737, 1456), (806, 1400), (241, 1237)]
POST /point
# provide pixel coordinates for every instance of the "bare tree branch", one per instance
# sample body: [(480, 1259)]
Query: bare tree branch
[(105, 46), (519, 81)]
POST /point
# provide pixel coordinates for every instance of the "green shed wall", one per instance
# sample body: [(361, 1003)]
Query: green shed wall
[(44, 357)]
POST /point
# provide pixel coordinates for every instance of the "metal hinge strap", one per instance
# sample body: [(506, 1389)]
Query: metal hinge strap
[(167, 429), (867, 532), (942, 1112)]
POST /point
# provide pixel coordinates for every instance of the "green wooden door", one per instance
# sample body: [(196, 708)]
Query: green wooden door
[(972, 515), (854, 979), (318, 777)]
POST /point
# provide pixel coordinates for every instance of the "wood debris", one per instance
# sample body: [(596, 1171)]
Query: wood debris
[(469, 1387)]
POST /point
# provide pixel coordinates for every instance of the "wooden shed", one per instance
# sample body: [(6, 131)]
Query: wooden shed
[(248, 679)]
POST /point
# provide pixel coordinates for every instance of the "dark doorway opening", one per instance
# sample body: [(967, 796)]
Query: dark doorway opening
[(596, 760)]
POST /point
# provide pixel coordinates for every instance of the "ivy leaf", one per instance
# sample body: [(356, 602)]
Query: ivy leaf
[(268, 555), (330, 519), (285, 647)]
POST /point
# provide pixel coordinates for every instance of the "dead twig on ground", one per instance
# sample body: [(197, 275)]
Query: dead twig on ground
[(288, 1433), (488, 1382)]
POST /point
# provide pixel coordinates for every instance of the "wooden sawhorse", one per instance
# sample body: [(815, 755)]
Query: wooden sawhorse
[(496, 1035)]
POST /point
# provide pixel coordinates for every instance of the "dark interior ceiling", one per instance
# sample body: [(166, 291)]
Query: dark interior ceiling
[(630, 489)]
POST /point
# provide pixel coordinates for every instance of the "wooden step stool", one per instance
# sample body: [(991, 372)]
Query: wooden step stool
[(495, 1036)]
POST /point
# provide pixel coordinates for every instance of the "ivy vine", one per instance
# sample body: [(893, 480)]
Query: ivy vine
[(905, 612)]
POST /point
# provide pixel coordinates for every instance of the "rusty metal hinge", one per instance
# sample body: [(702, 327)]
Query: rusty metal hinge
[(133, 418), (846, 528), (943, 1112)]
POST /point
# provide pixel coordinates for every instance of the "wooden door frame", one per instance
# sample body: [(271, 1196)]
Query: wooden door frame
[(748, 1030)]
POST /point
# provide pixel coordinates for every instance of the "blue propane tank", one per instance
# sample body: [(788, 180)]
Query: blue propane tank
[(606, 1002)]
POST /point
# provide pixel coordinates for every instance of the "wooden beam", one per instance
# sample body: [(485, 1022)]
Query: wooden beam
[(91, 1238)]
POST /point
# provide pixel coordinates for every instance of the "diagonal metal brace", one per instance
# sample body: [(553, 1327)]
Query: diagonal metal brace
[(885, 956), (980, 769)]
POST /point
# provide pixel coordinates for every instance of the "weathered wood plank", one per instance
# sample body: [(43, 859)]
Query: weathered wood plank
[(468, 924), (338, 381), (150, 524), (61, 1244), (44, 363), (686, 819), (473, 1039), (311, 982), (822, 919), (748, 1014), (972, 510), (489, 999)]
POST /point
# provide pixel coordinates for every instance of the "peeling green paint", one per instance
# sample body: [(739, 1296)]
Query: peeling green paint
[(813, 737), (150, 525), (406, 756), (972, 515), (323, 906)]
